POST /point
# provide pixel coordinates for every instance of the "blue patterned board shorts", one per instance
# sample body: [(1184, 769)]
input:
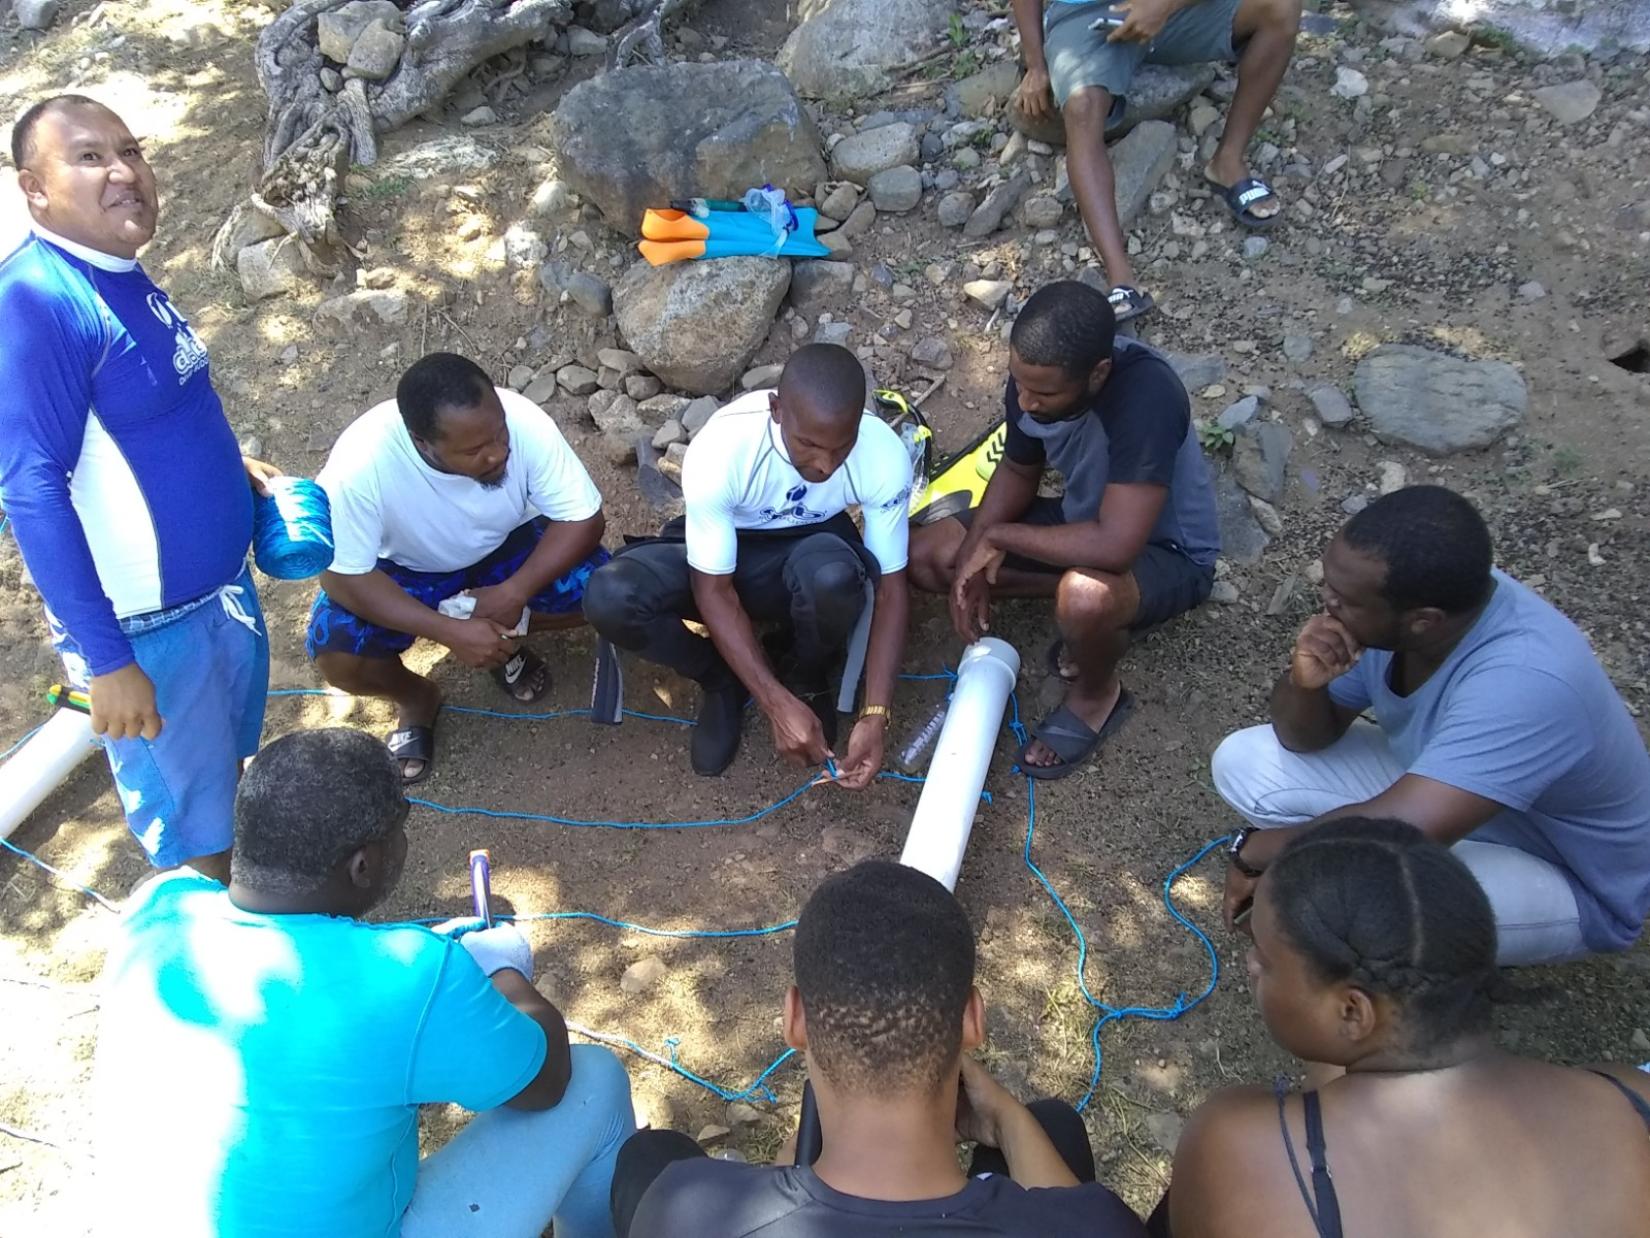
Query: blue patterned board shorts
[(332, 629)]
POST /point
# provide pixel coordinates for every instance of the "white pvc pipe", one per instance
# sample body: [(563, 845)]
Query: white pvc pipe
[(945, 812), (40, 766)]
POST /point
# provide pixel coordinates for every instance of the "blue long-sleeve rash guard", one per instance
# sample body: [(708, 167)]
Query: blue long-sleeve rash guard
[(118, 468)]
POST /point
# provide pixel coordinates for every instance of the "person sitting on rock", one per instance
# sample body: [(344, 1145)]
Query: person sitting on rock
[(1081, 57), (767, 538), (885, 1009), (1375, 955), (461, 515), (1496, 732), (263, 1050), (1130, 544)]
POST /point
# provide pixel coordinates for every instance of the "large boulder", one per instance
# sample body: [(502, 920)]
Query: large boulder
[(1437, 402), (639, 137), (1158, 91), (1139, 162), (847, 49), (697, 324)]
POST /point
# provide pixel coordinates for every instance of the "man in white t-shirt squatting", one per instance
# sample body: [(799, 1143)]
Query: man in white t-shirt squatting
[(767, 538), (454, 487)]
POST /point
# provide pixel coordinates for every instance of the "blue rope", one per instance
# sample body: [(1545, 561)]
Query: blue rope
[(292, 529), (1105, 1013)]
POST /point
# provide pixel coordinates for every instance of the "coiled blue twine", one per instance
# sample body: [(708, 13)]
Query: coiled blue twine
[(292, 530)]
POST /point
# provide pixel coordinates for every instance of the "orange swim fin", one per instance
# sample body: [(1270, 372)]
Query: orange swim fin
[(659, 253)]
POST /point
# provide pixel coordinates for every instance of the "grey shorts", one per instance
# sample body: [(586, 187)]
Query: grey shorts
[(1170, 584), (1077, 57)]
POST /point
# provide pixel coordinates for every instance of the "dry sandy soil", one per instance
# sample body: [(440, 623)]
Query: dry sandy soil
[(1552, 205)]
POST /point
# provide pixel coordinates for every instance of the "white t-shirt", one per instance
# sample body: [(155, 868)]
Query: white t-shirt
[(387, 503), (737, 475)]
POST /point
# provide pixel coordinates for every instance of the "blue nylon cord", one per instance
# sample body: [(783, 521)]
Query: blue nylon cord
[(1105, 1013), (292, 529)]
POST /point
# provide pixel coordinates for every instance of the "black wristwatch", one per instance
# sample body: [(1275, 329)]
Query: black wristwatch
[(1234, 856)]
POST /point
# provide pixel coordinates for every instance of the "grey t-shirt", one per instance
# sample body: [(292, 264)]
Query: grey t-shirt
[(1139, 429), (1522, 713), (704, 1198)]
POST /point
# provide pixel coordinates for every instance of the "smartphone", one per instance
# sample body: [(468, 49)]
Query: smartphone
[(1108, 20)]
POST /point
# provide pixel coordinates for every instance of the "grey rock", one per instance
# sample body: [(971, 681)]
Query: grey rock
[(1042, 211), (658, 409), (520, 377), (619, 359), (763, 376), (35, 14), (271, 268), (985, 92), (931, 147), (1157, 91), (642, 387), (477, 117), (1352, 504), (990, 293), (542, 389), (1297, 348), (861, 156), (366, 307), (838, 333), (846, 49), (1225, 592), (523, 247), (697, 413), (553, 197), (582, 42), (669, 434), (1255, 247), (840, 200), (1260, 459), (955, 208), (336, 31), (588, 292), (819, 285), (332, 81), (697, 324), (456, 152), (1569, 102), (652, 133), (946, 179), (989, 215), (1268, 516), (896, 190), (1199, 370), (1139, 162), (859, 220), (1531, 291), (1236, 416), (1448, 45), (1331, 406), (247, 226), (576, 379), (933, 352), (1437, 402), (1242, 540), (618, 418), (1349, 83), (376, 53)]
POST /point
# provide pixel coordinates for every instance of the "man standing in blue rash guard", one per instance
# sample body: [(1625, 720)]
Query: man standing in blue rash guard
[(126, 489)]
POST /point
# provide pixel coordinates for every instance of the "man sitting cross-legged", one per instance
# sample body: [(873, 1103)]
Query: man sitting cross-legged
[(263, 1051), (1085, 69), (1132, 542), (767, 538), (454, 487), (885, 1008), (1496, 732)]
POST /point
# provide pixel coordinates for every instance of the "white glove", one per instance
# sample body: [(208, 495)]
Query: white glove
[(498, 947)]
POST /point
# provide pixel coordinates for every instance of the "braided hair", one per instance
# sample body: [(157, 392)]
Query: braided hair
[(1379, 905)]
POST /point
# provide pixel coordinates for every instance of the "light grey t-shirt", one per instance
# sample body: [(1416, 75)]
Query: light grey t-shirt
[(1522, 713)]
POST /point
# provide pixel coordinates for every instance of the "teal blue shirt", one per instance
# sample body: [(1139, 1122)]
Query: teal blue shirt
[(260, 1076)]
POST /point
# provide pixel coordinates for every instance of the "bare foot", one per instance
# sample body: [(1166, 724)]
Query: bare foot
[(1092, 710)]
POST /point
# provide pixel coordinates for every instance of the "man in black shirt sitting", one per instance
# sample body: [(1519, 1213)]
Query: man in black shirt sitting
[(885, 1008)]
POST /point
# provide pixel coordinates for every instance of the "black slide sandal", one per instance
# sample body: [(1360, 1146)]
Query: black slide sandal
[(412, 743), (1071, 739), (526, 667), (1241, 198)]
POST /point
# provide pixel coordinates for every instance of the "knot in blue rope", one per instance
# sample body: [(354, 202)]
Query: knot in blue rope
[(292, 530)]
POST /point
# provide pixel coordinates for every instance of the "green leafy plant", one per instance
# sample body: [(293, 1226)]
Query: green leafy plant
[(1566, 460), (1215, 437), (387, 187), (956, 31)]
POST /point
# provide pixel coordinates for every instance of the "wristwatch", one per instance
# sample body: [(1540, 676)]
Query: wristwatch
[(1233, 852), (877, 711)]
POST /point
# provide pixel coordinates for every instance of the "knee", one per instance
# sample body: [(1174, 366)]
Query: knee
[(601, 1078), (613, 599), (830, 579), (1089, 603), (343, 671), (1279, 16), (1236, 759), (931, 563), (1087, 110)]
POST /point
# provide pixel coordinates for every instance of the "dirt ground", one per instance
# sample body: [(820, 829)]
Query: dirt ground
[(1410, 255)]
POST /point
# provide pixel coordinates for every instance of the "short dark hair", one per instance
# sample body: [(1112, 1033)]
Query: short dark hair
[(434, 382), (22, 133), (1067, 324), (826, 377), (309, 801), (1378, 904), (884, 961), (1435, 545)]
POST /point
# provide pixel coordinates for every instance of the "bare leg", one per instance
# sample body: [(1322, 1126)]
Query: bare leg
[(1089, 167), (215, 866), (555, 623), (416, 698), (1270, 27), (1093, 610)]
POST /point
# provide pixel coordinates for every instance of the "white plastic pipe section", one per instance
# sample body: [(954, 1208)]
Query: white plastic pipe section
[(945, 812), (40, 766)]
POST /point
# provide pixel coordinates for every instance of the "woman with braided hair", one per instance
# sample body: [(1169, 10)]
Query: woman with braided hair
[(1374, 953)]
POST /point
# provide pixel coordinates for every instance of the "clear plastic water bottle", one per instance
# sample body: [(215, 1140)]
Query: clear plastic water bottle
[(911, 756)]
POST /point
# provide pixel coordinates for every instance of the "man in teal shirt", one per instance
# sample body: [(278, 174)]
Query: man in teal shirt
[(263, 1052)]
